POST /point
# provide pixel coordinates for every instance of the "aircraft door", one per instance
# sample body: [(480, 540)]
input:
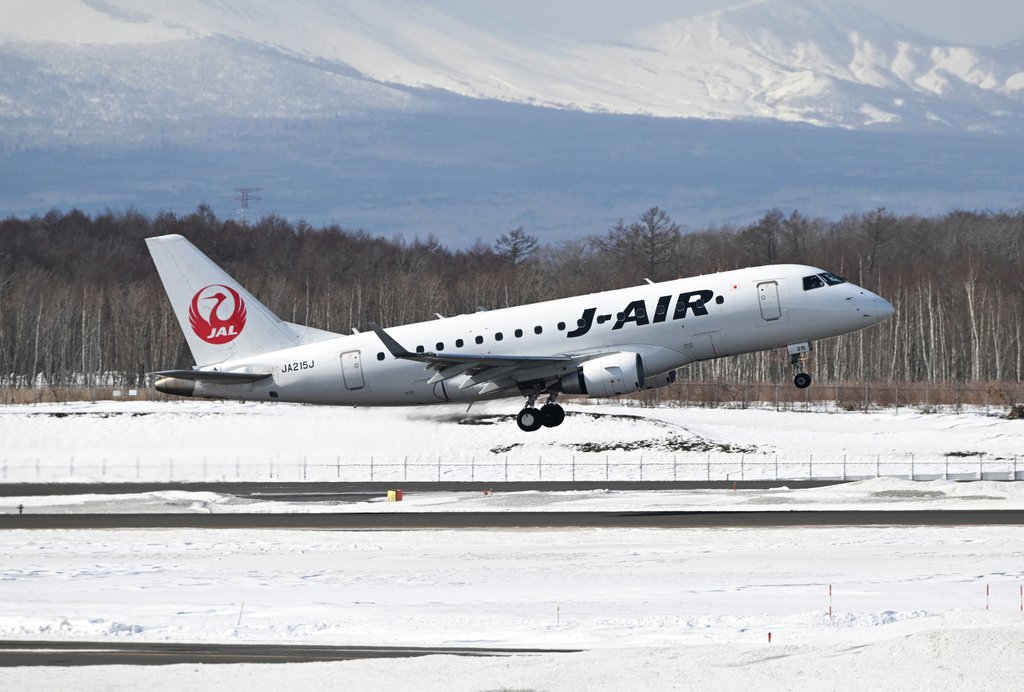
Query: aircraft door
[(768, 297), (352, 370)]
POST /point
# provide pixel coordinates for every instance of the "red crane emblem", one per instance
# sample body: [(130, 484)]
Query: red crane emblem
[(207, 314)]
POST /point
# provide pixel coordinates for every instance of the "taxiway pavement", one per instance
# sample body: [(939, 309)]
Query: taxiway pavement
[(398, 519), (76, 653)]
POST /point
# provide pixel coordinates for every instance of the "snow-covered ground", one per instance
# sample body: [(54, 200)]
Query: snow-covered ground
[(959, 659), (649, 608), (657, 607), (201, 440)]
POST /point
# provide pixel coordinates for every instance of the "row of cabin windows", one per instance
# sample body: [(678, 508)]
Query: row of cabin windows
[(479, 339)]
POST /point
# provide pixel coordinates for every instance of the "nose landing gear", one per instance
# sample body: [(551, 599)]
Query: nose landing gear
[(550, 415), (801, 379)]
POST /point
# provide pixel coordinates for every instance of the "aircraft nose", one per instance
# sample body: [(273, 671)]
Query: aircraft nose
[(884, 308), (868, 306), (875, 307)]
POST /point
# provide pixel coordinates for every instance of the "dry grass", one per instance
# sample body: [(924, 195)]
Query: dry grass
[(846, 395), (783, 395), (43, 395)]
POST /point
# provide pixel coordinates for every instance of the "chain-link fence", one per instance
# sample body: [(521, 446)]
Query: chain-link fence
[(610, 467)]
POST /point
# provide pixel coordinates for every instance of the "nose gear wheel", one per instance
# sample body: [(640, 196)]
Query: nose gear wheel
[(801, 379)]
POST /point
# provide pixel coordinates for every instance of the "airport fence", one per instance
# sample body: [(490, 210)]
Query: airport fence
[(710, 466)]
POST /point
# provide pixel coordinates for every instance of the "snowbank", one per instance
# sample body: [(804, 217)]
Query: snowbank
[(196, 440)]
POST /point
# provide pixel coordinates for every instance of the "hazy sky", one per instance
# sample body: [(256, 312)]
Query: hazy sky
[(985, 22)]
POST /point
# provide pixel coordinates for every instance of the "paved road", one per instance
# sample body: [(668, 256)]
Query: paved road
[(319, 490), (66, 653), (390, 520)]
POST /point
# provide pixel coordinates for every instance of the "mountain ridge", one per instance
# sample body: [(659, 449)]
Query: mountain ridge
[(814, 61)]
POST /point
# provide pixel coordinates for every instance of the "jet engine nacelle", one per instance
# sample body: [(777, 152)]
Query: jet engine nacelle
[(618, 373), (661, 380)]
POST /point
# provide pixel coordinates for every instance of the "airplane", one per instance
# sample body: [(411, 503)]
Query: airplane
[(598, 345)]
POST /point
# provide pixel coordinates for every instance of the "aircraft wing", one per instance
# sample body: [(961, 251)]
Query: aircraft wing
[(494, 371)]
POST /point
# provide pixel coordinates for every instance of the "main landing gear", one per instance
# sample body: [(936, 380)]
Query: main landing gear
[(801, 379), (550, 415)]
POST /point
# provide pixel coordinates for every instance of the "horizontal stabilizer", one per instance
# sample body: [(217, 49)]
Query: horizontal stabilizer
[(211, 377)]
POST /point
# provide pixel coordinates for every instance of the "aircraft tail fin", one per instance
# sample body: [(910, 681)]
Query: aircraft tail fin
[(220, 319)]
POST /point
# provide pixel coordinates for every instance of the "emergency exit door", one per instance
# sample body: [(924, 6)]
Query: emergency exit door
[(768, 297), (352, 370)]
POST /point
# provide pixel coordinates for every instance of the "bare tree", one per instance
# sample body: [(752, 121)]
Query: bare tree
[(761, 240), (644, 246), (516, 246)]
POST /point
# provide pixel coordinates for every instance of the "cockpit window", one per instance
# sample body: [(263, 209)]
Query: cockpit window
[(832, 279), (812, 281)]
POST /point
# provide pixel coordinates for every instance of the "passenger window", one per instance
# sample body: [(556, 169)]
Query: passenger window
[(479, 339), (459, 343), (419, 349), (380, 356), (440, 345), (498, 336), (561, 326), (812, 281), (833, 279), (538, 329), (519, 333)]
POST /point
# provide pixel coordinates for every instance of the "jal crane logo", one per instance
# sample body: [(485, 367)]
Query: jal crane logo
[(217, 314)]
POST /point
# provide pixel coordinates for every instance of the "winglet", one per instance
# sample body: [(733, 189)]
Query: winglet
[(396, 349)]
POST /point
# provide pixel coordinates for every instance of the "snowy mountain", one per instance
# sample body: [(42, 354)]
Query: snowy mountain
[(409, 117), (814, 61)]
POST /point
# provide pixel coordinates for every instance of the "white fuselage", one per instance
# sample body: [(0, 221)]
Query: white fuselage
[(670, 324)]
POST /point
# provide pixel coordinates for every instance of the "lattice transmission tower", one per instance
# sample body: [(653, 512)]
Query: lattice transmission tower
[(245, 195)]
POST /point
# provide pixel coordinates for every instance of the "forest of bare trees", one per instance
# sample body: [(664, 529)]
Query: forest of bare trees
[(80, 300)]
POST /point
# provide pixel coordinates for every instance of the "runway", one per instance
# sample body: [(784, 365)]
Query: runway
[(442, 569), (72, 653), (404, 520)]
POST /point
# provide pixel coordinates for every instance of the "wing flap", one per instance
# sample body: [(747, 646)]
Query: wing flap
[(490, 372)]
